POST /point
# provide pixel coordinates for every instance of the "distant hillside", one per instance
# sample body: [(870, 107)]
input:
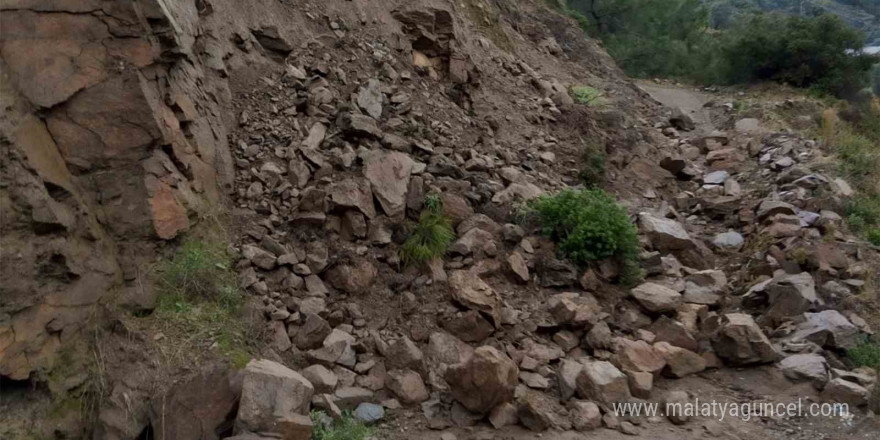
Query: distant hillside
[(861, 14)]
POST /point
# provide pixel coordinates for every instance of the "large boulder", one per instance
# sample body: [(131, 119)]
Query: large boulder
[(637, 356), (274, 399), (197, 407), (828, 329), (679, 361), (352, 194), (470, 291), (790, 295), (665, 234), (355, 277), (740, 341), (484, 381), (844, 391), (810, 367), (407, 385), (656, 298), (602, 382), (389, 174)]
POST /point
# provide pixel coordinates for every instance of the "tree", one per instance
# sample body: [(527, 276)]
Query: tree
[(821, 52)]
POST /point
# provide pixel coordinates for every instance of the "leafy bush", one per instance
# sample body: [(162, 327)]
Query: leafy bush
[(593, 171), (873, 235), (588, 96), (431, 236), (589, 225), (865, 354), (346, 428)]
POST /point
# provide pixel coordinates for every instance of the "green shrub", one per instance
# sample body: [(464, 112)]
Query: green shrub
[(873, 236), (346, 428), (589, 225), (588, 96), (865, 354), (593, 170), (431, 236)]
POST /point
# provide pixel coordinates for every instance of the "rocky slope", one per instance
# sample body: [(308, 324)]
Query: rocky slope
[(317, 129)]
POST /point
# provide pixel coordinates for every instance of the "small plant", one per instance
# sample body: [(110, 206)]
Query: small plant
[(800, 256), (588, 96), (431, 236), (589, 225), (434, 203), (346, 428), (865, 354), (593, 172)]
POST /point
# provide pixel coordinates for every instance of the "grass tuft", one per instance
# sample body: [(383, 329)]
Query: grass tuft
[(589, 96), (346, 428), (430, 237), (199, 303), (865, 354)]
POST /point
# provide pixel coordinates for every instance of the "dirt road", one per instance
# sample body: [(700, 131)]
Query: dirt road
[(687, 99)]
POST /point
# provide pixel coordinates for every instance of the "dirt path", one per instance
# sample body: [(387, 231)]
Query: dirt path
[(690, 101)]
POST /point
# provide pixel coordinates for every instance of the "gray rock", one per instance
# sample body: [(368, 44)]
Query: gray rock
[(369, 98), (806, 367), (827, 329), (716, 178), (730, 240), (369, 412), (665, 234)]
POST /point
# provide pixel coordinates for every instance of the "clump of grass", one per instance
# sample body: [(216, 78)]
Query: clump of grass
[(346, 428), (593, 172), (865, 354), (589, 225), (431, 236), (589, 96), (199, 302)]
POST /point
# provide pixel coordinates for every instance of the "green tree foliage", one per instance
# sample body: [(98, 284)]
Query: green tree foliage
[(673, 38), (821, 52), (650, 38)]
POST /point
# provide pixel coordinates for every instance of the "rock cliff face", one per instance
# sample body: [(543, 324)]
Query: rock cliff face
[(112, 137)]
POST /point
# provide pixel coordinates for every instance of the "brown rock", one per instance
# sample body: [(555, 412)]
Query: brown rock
[(486, 380), (637, 356), (679, 362), (470, 291), (740, 341), (407, 385)]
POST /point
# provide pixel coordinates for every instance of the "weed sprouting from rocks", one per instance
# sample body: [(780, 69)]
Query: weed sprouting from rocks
[(431, 236), (346, 428), (588, 96)]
